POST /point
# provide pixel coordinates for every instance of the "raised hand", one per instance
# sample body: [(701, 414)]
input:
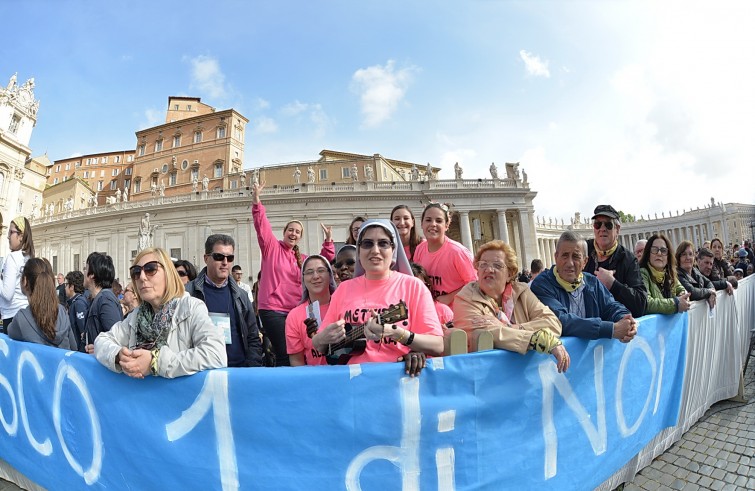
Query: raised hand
[(257, 191), (328, 231)]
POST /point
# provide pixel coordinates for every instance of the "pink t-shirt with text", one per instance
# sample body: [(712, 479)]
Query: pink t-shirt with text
[(297, 340), (449, 268), (353, 304)]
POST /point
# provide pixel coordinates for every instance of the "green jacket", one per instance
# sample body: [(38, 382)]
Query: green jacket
[(657, 303)]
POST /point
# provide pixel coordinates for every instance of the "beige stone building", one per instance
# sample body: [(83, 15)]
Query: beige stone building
[(106, 174)]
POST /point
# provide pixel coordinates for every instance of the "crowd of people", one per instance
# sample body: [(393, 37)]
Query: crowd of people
[(388, 295)]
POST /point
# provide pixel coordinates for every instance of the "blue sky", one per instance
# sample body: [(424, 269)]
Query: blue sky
[(645, 105)]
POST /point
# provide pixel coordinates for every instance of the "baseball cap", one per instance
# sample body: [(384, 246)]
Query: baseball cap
[(606, 211)]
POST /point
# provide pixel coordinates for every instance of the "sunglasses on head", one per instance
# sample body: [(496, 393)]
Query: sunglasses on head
[(597, 223), (219, 257), (348, 262), (150, 269)]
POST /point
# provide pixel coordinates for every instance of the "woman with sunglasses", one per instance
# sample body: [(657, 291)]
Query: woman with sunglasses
[(658, 269), (21, 245), (44, 321), (318, 285), (354, 227), (383, 278), (186, 271), (104, 308), (169, 335), (280, 284), (403, 218), (506, 308), (448, 263), (345, 263)]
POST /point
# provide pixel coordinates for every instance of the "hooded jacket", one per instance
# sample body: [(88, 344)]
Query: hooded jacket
[(25, 328)]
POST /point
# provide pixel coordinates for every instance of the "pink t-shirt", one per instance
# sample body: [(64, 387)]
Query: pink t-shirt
[(445, 314), (297, 340), (449, 268), (353, 304), (280, 285)]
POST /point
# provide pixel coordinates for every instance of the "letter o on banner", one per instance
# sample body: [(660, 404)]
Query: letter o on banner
[(641, 344), (92, 474), (12, 427)]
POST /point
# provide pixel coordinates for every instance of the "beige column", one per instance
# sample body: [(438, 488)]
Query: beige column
[(503, 226), (466, 232)]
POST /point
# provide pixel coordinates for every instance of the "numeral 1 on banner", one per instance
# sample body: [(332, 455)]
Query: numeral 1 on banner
[(214, 395)]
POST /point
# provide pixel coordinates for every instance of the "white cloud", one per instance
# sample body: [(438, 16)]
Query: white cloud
[(74, 155), (262, 104), (152, 117), (381, 89), (207, 77), (534, 65), (310, 112), (294, 108), (265, 125)]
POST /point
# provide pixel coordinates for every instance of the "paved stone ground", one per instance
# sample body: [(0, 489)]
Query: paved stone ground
[(717, 453)]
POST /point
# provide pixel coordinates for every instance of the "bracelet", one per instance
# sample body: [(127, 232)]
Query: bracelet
[(410, 340), (402, 337), (153, 364)]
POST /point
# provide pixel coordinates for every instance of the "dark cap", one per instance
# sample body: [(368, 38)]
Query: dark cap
[(606, 211)]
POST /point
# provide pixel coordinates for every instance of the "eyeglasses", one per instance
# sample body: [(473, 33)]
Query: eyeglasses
[(150, 270), (483, 265), (597, 223), (219, 257), (382, 244), (348, 262), (319, 271), (658, 250), (181, 272)]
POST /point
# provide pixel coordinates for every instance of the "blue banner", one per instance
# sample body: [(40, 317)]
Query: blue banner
[(476, 421)]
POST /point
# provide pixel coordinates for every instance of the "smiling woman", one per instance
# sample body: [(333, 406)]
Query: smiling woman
[(170, 334), (21, 245), (658, 268)]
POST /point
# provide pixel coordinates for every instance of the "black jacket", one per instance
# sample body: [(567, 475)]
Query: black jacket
[(628, 288), (696, 284), (250, 333)]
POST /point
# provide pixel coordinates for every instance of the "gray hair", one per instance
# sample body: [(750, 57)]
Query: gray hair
[(572, 238)]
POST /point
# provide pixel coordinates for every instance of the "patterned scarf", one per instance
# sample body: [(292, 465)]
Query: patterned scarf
[(152, 328), (569, 287), (610, 251), (658, 274)]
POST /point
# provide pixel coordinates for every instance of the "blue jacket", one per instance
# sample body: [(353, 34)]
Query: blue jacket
[(601, 309), (104, 312), (78, 307)]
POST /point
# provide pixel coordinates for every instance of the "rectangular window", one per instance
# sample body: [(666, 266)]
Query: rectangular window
[(102, 173), (65, 178), (14, 124), (99, 185), (220, 133), (55, 181), (130, 158), (127, 183), (68, 166), (103, 160), (137, 186), (175, 253), (57, 168), (133, 254), (188, 107), (323, 174), (77, 165), (141, 150), (176, 141), (86, 174), (76, 261), (345, 172), (172, 179), (128, 171), (218, 170), (54, 264), (158, 146), (117, 159), (234, 184), (194, 174), (238, 134), (114, 173), (198, 137), (175, 107), (113, 183)]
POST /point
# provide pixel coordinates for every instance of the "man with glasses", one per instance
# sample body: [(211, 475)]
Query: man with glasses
[(614, 265), (229, 306), (78, 306)]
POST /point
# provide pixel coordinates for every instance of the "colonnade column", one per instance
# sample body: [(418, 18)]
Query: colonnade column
[(503, 226), (466, 233)]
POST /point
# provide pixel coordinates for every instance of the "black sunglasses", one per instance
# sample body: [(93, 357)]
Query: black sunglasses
[(150, 269), (219, 257), (383, 244), (597, 223), (348, 262)]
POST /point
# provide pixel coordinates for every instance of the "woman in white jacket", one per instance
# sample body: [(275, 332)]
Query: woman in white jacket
[(170, 334), (21, 245)]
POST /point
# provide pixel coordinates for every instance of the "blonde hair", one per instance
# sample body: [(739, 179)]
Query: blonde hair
[(174, 288), (512, 268)]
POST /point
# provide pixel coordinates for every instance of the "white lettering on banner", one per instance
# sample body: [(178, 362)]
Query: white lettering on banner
[(44, 448), (10, 428), (598, 436), (642, 345), (214, 395), (406, 456), (65, 371)]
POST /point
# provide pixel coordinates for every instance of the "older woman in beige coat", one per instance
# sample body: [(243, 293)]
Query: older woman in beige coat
[(507, 309)]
